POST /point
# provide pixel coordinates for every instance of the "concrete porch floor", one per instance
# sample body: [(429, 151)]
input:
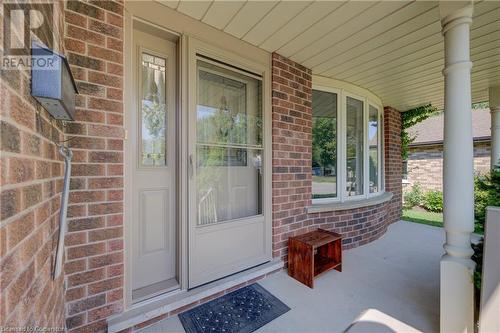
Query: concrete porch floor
[(397, 274)]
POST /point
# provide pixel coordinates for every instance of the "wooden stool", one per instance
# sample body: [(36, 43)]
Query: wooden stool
[(314, 253)]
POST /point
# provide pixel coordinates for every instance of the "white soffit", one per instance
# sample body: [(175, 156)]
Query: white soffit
[(393, 48)]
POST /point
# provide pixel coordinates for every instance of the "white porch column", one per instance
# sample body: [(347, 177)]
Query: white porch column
[(456, 291), (494, 101)]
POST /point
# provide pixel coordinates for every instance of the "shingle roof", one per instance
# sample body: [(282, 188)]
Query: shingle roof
[(431, 129)]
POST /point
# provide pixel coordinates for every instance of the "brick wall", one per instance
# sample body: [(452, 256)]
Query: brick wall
[(292, 180), (94, 243), (31, 181), (393, 163), (292, 148), (425, 164)]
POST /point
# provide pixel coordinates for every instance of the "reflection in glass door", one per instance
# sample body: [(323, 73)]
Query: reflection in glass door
[(228, 145), (228, 231)]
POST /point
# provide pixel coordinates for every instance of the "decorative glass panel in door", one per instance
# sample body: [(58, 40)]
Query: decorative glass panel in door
[(153, 111), (228, 145)]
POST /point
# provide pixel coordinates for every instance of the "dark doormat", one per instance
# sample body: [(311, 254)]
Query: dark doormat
[(242, 311)]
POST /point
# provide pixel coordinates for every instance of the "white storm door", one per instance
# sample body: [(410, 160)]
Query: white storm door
[(227, 229), (153, 143)]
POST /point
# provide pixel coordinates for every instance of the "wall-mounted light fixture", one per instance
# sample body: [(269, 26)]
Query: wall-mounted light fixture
[(52, 83)]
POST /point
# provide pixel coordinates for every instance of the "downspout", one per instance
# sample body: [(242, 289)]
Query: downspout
[(67, 154)]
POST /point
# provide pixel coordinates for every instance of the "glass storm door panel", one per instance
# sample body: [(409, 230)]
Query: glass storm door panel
[(152, 145), (227, 225), (228, 145)]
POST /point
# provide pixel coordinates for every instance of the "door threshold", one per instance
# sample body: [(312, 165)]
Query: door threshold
[(154, 290), (166, 303)]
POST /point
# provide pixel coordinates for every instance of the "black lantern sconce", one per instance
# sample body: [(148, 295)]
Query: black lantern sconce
[(52, 83)]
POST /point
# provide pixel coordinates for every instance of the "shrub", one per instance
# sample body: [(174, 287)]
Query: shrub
[(478, 259), (433, 201), (414, 197), (486, 193)]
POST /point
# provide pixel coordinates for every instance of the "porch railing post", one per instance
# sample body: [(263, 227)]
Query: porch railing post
[(494, 101), (456, 290)]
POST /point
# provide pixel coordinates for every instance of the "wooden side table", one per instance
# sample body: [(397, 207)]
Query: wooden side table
[(314, 253)]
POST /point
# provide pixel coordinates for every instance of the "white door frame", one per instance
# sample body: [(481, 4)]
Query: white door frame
[(158, 16)]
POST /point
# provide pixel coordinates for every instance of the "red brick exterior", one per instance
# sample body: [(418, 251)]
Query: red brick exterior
[(31, 181), (292, 180), (393, 162), (94, 243), (292, 148)]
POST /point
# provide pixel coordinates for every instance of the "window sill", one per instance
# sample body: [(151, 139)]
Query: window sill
[(353, 204)]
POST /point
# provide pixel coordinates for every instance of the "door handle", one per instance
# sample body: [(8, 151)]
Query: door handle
[(191, 168)]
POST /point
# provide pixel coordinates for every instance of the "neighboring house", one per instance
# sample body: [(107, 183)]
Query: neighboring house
[(425, 153), (192, 148)]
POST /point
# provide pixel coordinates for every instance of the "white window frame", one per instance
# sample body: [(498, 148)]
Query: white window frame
[(343, 133), (337, 198), (341, 171), (379, 148)]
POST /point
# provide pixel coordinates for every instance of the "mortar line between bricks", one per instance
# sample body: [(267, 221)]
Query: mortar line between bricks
[(33, 259), (92, 243), (83, 217), (87, 42), (85, 123), (89, 70), (30, 157), (7, 187), (10, 219), (106, 112), (94, 282), (11, 121)]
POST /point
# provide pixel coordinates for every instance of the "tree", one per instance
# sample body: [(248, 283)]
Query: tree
[(324, 142)]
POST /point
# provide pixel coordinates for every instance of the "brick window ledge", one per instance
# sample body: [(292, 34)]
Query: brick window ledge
[(352, 204)]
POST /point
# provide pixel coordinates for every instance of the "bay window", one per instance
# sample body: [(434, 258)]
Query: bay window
[(346, 146), (324, 144), (354, 146), (373, 148)]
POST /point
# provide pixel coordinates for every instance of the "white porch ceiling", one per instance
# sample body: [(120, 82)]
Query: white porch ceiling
[(395, 48)]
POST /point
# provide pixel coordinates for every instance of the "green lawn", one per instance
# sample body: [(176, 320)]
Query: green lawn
[(423, 217), (434, 219)]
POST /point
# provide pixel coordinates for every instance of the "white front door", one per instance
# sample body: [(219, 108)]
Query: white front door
[(227, 230), (152, 143)]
